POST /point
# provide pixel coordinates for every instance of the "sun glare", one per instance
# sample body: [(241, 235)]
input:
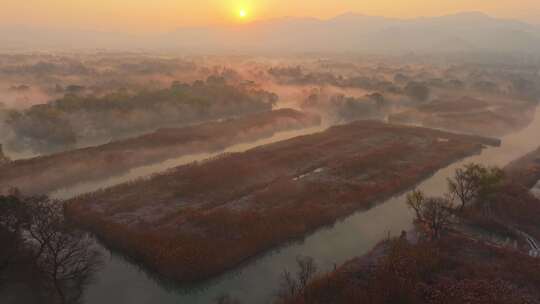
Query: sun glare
[(242, 13)]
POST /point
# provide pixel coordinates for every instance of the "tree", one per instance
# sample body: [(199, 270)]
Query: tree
[(474, 182), (433, 214), (44, 219), (288, 287), (306, 271), (292, 287), (63, 255), (417, 91), (11, 222), (68, 262), (437, 214), (61, 258), (415, 201), (491, 179)]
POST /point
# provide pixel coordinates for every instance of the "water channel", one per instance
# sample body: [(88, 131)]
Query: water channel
[(120, 281)]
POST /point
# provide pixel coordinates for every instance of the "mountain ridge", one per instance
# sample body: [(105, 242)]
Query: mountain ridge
[(348, 32)]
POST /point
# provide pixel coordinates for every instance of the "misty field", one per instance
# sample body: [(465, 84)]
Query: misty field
[(44, 174)]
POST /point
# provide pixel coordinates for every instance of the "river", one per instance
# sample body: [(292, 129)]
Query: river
[(149, 170), (120, 281)]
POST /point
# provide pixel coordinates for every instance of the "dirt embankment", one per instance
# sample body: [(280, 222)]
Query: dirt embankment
[(454, 269), (460, 267), (526, 170), (199, 220), (48, 173), (517, 205)]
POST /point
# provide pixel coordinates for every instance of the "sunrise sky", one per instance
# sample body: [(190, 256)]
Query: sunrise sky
[(163, 15)]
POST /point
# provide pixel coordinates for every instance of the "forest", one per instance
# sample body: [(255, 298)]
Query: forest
[(74, 119)]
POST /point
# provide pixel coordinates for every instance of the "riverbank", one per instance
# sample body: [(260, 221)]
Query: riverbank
[(454, 269), (525, 170), (257, 280), (46, 174), (247, 203), (490, 255)]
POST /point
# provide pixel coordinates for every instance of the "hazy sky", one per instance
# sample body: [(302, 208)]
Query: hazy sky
[(162, 15)]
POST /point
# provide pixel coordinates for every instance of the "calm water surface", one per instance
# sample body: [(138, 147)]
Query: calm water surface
[(120, 281), (148, 170)]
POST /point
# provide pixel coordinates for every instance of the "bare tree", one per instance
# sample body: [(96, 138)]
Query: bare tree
[(436, 214), (63, 255), (306, 271), (68, 261), (292, 287), (44, 218), (288, 288), (433, 214), (415, 200)]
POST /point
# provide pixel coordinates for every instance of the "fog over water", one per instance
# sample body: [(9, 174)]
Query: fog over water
[(149, 170), (151, 131), (120, 281)]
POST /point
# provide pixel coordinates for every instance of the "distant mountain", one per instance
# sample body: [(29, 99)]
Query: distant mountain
[(470, 31)]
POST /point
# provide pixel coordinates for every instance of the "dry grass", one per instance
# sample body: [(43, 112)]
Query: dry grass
[(452, 270), (48, 173), (202, 219)]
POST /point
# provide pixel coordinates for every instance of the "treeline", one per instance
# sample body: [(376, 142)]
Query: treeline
[(416, 83), (75, 119), (344, 108), (91, 65)]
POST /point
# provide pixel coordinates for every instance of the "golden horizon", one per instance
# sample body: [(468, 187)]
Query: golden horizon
[(162, 15)]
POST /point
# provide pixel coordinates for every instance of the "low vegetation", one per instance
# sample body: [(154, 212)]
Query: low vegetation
[(248, 202), (455, 259), (450, 270), (48, 173)]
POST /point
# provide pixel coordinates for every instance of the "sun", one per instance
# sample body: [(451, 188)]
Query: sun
[(242, 13)]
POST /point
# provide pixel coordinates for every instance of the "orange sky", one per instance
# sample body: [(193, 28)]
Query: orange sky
[(162, 15)]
